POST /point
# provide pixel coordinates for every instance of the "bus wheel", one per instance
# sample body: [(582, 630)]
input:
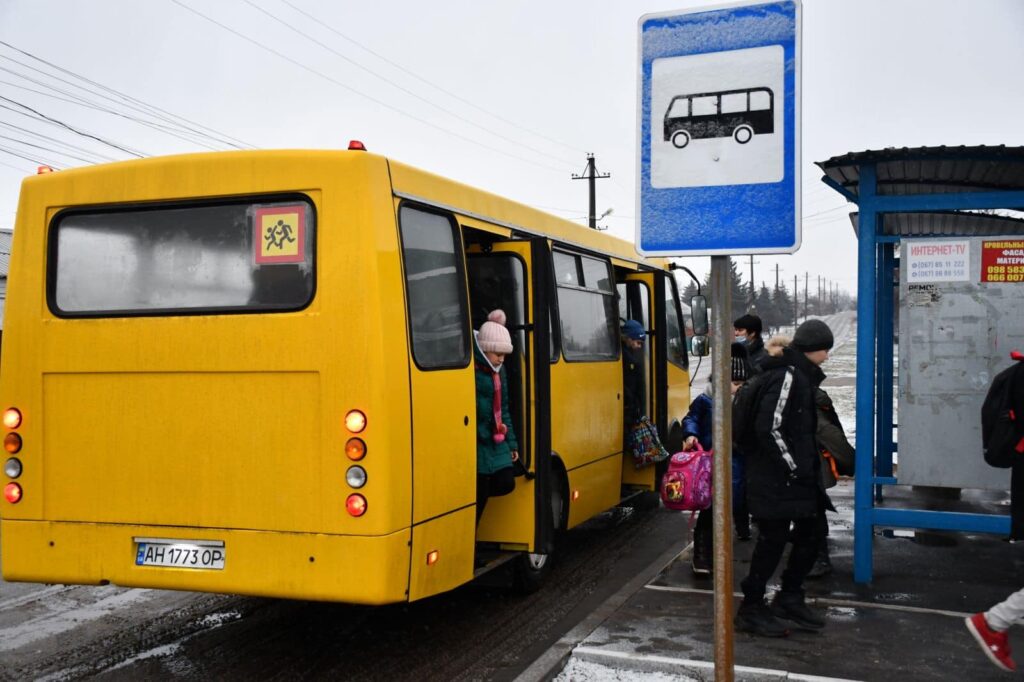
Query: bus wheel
[(532, 569), (743, 134), (680, 139)]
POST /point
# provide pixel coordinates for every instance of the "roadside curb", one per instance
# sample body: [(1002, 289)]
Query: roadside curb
[(548, 664), (701, 670)]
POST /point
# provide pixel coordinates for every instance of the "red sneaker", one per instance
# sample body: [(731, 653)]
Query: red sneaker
[(995, 644)]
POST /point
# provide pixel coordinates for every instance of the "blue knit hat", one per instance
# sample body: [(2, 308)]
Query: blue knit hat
[(633, 330)]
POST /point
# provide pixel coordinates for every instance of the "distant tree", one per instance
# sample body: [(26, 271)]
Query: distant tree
[(689, 292), (783, 305), (766, 309), (740, 293)]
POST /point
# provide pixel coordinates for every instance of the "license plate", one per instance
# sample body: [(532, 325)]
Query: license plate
[(202, 554)]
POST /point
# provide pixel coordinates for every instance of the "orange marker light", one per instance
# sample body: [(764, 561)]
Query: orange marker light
[(575, 495), (355, 421), (355, 449), (43, 170), (12, 493), (356, 505), (12, 418), (432, 557), (12, 443)]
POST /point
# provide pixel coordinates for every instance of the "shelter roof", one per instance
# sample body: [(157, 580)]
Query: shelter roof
[(932, 170), (936, 170)]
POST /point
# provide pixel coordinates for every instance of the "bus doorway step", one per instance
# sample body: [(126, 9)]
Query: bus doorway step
[(489, 558)]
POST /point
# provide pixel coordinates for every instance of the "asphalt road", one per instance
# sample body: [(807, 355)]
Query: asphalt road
[(481, 631)]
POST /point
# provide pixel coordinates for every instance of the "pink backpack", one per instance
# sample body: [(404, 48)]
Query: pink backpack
[(686, 486)]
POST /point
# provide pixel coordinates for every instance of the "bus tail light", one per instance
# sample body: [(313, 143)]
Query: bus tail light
[(355, 421), (356, 146), (355, 504), (12, 417), (355, 449), (12, 493), (355, 476), (12, 443), (12, 467)]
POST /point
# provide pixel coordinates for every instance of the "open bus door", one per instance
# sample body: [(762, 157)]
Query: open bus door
[(515, 276), (650, 298)]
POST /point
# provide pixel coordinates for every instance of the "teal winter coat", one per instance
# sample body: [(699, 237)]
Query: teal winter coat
[(491, 456)]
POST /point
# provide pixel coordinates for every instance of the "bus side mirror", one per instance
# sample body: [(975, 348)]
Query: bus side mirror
[(699, 346), (699, 316)]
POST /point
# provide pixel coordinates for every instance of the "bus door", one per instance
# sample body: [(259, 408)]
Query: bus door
[(504, 277), (636, 299), (651, 299)]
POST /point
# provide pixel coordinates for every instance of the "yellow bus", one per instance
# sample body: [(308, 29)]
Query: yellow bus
[(251, 373)]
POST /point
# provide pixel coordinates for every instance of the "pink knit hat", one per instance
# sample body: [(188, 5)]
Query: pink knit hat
[(493, 337)]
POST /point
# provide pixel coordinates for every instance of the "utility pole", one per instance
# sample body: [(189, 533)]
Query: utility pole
[(776, 277), (807, 278), (796, 303), (591, 175)]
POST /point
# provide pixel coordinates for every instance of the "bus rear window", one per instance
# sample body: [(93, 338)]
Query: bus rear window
[(209, 258)]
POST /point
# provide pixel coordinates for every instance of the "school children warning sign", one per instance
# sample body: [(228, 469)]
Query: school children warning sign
[(1002, 261), (280, 234)]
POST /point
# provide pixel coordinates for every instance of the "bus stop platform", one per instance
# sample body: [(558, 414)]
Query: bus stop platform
[(907, 624)]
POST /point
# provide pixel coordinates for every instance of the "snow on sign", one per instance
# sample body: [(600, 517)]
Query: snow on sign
[(719, 122)]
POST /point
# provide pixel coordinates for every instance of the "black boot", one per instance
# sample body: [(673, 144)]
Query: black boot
[(822, 565), (701, 562), (757, 619), (792, 607)]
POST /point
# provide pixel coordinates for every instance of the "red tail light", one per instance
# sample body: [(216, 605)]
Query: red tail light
[(355, 504), (356, 145), (12, 493)]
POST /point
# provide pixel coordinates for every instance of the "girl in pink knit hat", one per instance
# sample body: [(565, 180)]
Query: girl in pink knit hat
[(496, 445)]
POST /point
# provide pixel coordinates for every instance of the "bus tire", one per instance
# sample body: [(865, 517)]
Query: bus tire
[(532, 569), (743, 134), (680, 139)]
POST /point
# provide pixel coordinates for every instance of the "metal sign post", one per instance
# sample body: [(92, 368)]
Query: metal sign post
[(721, 437), (718, 141)]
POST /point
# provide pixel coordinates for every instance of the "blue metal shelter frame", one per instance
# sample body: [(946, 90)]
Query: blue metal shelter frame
[(896, 191)]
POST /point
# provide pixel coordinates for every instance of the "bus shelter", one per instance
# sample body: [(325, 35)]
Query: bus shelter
[(944, 201)]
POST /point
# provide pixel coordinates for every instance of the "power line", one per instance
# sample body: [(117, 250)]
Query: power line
[(33, 133), (130, 101), (65, 125), (358, 93), (401, 88), (14, 152), (82, 102), (427, 82), (47, 149)]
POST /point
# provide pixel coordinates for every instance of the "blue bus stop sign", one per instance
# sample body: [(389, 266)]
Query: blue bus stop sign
[(719, 131)]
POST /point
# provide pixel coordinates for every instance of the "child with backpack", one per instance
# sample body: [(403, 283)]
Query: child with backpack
[(697, 432)]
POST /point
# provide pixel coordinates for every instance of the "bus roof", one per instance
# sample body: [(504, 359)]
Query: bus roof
[(407, 182), (418, 185)]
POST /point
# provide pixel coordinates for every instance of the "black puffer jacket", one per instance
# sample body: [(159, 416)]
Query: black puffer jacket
[(784, 471)]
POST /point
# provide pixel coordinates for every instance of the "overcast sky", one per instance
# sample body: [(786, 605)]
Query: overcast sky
[(505, 96)]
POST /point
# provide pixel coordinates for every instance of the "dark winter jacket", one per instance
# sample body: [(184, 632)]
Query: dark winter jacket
[(491, 456), (697, 421), (634, 401), (757, 353), (832, 439), (784, 470)]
